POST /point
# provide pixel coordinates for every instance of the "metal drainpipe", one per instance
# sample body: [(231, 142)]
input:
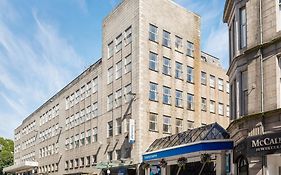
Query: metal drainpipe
[(262, 82), (261, 57)]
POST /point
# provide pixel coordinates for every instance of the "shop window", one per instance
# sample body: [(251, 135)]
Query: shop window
[(243, 166)]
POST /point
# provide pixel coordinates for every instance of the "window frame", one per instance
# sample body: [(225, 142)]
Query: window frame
[(153, 35), (153, 61), (153, 122), (166, 70), (153, 91), (167, 95), (166, 42), (168, 124)]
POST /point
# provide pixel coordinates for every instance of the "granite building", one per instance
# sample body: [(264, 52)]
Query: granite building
[(152, 81), (254, 73)]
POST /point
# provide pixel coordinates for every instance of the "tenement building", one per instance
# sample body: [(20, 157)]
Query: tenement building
[(152, 81), (254, 73)]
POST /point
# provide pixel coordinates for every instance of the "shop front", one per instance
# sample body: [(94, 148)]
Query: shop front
[(266, 148), (206, 150), (24, 168)]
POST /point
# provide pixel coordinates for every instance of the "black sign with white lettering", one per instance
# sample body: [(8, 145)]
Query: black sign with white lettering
[(259, 145)]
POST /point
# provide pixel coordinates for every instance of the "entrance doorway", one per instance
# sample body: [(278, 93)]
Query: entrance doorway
[(194, 168)]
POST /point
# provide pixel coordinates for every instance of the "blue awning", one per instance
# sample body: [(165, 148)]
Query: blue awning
[(211, 137), (200, 146)]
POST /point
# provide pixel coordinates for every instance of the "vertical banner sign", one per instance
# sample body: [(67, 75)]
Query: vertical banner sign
[(131, 131)]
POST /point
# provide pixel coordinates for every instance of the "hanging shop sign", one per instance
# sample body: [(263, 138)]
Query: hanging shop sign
[(259, 145), (131, 131), (155, 170)]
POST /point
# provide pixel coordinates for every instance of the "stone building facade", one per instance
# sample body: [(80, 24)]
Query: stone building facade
[(254, 73), (152, 81)]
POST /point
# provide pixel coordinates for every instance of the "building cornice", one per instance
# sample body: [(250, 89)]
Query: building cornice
[(254, 116)]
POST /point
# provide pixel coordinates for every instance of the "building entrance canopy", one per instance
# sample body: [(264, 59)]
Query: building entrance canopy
[(203, 139), (22, 167)]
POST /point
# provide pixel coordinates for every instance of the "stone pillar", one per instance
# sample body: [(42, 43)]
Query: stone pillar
[(220, 163)]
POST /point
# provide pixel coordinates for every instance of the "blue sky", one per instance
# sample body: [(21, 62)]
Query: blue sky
[(45, 44)]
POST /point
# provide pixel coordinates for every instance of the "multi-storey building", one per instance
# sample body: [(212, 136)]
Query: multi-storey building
[(152, 81), (254, 73)]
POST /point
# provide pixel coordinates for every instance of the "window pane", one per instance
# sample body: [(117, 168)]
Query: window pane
[(153, 33), (153, 61)]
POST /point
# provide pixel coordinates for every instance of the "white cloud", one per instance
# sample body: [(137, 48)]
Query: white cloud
[(217, 44), (32, 68), (214, 33)]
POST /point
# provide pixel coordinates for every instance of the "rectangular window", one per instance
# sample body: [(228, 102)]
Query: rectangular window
[(109, 102), (166, 95), (110, 49), (95, 85), (88, 113), (127, 91), (88, 161), (118, 43), (243, 27), (76, 140), (118, 69), (212, 106), (190, 101), (153, 122), (190, 124), (77, 96), (95, 134), (95, 110), (220, 84), (88, 88), (227, 87), (109, 155), (178, 43), (110, 75), (178, 73), (153, 61), (118, 126), (203, 104), (178, 125), (110, 129), (153, 94), (83, 92), (153, 32), (166, 39), (128, 35), (227, 110), (220, 109), (118, 98), (190, 49), (72, 141), (166, 66), (94, 159), (178, 98), (88, 136), (203, 78), (82, 138), (166, 124), (118, 154), (189, 74), (128, 64), (212, 81)]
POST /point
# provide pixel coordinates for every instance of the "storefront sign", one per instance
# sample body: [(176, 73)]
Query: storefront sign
[(266, 144), (258, 145), (131, 131)]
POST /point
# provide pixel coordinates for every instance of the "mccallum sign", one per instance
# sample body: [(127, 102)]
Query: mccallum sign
[(258, 145), (268, 143)]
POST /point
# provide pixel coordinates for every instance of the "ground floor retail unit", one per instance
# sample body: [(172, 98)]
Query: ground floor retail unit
[(201, 151), (258, 155)]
